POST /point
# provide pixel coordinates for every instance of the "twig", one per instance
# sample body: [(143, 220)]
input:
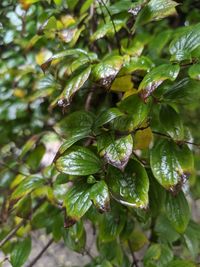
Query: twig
[(135, 261), (181, 141), (114, 27), (88, 101), (33, 262)]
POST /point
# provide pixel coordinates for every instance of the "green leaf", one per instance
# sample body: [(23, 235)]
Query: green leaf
[(35, 157), (107, 69), (107, 116), (137, 240), (72, 86), (130, 187), (177, 211), (155, 10), (107, 29), (78, 161), (111, 226), (136, 64), (185, 91), (171, 122), (74, 127), (184, 43), (192, 238), (29, 145), (194, 72), (171, 164), (77, 200), (27, 185), (75, 237), (99, 194), (134, 106), (156, 77), (181, 263), (86, 5), (20, 252), (116, 152)]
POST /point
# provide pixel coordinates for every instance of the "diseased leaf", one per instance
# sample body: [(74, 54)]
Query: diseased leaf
[(171, 164), (130, 187), (100, 196), (156, 77), (20, 252), (177, 211), (78, 161), (73, 85), (116, 152)]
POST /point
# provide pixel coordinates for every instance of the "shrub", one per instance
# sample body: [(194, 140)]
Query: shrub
[(99, 124)]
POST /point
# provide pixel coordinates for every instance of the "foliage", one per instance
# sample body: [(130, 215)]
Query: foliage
[(116, 85)]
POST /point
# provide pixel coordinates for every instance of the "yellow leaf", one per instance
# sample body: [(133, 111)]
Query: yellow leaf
[(18, 179), (19, 93), (122, 84), (138, 240), (67, 21), (43, 56), (143, 138), (27, 3), (133, 91)]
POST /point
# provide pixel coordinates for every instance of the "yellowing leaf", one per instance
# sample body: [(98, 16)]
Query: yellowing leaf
[(19, 93), (133, 91), (137, 240), (122, 84), (43, 56), (143, 139)]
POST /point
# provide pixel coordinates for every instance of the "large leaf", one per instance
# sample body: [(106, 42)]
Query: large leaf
[(171, 122), (116, 152), (177, 211), (20, 252), (130, 187), (78, 161), (183, 44), (156, 77), (171, 164), (107, 116)]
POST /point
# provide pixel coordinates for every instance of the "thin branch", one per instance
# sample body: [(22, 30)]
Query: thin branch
[(135, 261), (33, 262), (114, 27), (181, 141)]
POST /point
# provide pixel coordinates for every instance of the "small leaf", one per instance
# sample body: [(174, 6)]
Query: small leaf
[(107, 116), (20, 252), (130, 187), (117, 152), (156, 77), (172, 123), (194, 72), (137, 240), (122, 84), (78, 161), (100, 196), (181, 263), (171, 164), (177, 211), (142, 139)]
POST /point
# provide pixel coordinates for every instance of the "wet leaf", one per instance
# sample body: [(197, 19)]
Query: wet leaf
[(184, 43), (156, 77), (194, 72), (107, 116), (131, 187), (20, 252), (78, 161), (100, 196), (177, 211), (171, 164), (171, 122), (116, 152)]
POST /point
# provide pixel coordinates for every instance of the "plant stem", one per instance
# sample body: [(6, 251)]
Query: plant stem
[(33, 262), (135, 261)]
